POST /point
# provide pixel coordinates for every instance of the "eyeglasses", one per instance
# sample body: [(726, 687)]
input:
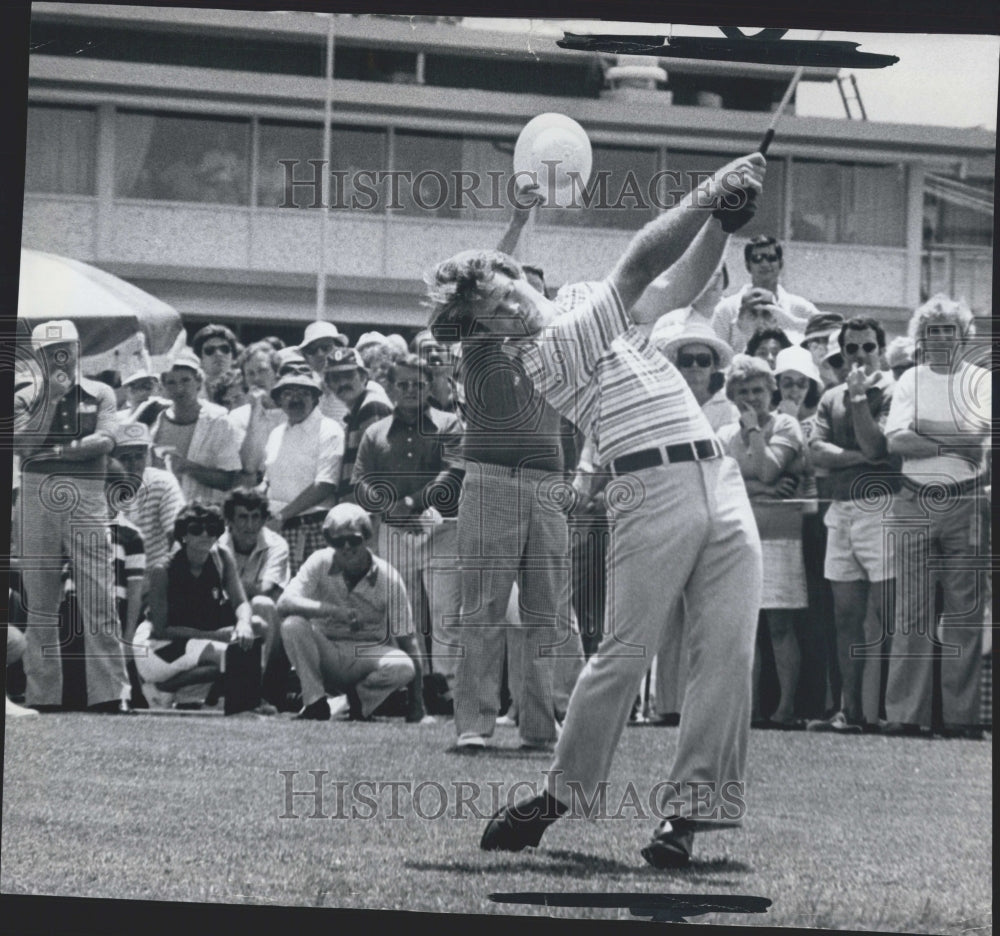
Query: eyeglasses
[(214, 349), (761, 258), (869, 347), (352, 539), (689, 360), (200, 529), (794, 383), (320, 347), (406, 385)]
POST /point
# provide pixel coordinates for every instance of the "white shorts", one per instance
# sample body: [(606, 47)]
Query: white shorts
[(153, 668), (856, 547)]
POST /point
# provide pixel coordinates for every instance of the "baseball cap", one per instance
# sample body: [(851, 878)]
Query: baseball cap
[(138, 375), (317, 331), (58, 331), (343, 359), (185, 358), (129, 434), (347, 519)]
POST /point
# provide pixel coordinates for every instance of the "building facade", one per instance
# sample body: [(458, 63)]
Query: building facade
[(169, 146)]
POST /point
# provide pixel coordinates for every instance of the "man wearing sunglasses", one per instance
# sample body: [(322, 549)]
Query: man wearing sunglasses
[(404, 470), (849, 442), (763, 301), (216, 347), (346, 624)]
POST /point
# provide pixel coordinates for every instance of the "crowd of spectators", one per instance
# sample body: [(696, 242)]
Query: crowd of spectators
[(409, 521)]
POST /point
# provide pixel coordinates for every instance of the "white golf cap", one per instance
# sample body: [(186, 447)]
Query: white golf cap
[(58, 331)]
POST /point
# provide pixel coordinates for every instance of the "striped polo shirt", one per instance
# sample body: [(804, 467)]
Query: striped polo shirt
[(595, 366)]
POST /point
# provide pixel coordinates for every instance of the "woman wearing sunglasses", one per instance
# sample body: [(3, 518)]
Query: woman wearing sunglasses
[(768, 446), (700, 356), (196, 608)]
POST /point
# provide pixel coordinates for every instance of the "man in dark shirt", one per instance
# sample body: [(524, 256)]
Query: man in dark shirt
[(347, 377), (405, 471), (63, 434), (510, 529)]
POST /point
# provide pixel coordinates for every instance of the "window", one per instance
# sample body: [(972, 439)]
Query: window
[(844, 203), (178, 158), (61, 150), (620, 194), (950, 219), (352, 150), (692, 167), (430, 161)]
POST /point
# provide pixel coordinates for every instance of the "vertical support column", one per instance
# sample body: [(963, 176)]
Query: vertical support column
[(103, 244), (914, 234)]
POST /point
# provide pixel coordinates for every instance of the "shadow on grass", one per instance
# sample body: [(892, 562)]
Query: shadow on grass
[(500, 753), (557, 862)]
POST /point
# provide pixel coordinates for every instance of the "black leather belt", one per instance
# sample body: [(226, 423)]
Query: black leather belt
[(701, 450)]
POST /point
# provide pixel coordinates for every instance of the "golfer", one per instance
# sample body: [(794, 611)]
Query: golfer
[(682, 521)]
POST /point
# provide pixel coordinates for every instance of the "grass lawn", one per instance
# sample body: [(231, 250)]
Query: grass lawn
[(860, 832)]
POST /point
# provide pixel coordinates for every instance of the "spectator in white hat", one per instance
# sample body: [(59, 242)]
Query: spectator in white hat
[(301, 465), (319, 341), (193, 437), (63, 433), (160, 500), (701, 356)]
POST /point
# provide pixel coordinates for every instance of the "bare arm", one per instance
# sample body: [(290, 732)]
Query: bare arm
[(910, 444), (315, 494), (518, 220), (663, 241), (829, 455), (683, 282)]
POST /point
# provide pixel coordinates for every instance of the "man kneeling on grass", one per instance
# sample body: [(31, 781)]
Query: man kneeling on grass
[(347, 625), (197, 608)]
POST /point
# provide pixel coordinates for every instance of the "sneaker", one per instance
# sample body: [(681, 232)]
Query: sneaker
[(506, 721), (315, 711), (470, 741), (13, 710), (838, 724)]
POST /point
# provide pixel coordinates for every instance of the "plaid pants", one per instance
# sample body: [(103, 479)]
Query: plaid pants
[(303, 540)]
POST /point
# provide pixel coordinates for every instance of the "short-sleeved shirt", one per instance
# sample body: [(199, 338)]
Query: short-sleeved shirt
[(943, 406), (214, 443), (267, 564), (297, 456), (379, 600), (407, 456), (598, 369), (792, 315), (87, 408), (154, 510), (776, 518), (367, 409), (833, 423)]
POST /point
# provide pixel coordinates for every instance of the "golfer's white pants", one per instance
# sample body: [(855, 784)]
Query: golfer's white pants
[(63, 515), (683, 529)]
